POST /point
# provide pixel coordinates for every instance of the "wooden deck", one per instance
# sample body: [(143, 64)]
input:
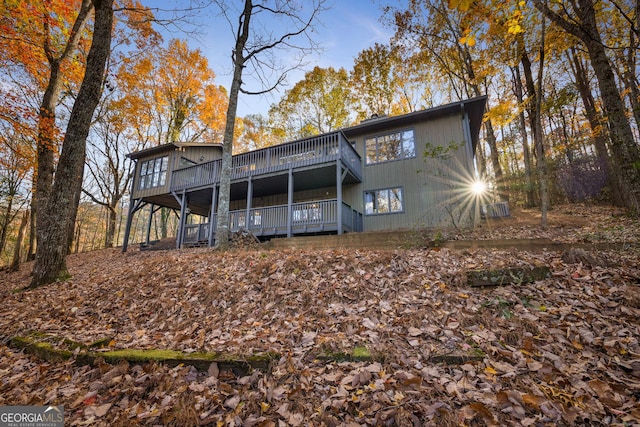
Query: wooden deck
[(306, 218), (298, 154)]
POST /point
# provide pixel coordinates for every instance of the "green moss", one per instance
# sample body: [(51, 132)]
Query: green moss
[(43, 346), (43, 350), (63, 276), (360, 352), (136, 355)]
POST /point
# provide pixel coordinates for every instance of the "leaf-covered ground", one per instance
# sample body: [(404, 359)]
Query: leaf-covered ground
[(561, 351)]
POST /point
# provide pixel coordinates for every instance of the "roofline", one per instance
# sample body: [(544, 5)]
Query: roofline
[(474, 107), (167, 147)]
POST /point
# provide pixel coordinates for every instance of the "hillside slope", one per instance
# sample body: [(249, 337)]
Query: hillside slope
[(560, 351)]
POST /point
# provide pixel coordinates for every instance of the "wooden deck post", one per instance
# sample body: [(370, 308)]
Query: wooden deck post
[(339, 195), (151, 211), (290, 204), (182, 221), (134, 205), (212, 215), (249, 197)]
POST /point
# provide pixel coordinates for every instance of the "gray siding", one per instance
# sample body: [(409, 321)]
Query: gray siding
[(147, 192), (428, 184), (197, 154), (201, 154)]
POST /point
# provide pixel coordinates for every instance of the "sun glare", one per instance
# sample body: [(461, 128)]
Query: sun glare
[(478, 187)]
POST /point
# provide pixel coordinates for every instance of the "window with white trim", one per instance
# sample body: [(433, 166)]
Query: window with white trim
[(389, 147), (153, 173), (386, 201)]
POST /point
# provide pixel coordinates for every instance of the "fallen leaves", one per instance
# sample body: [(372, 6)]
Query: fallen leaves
[(563, 350)]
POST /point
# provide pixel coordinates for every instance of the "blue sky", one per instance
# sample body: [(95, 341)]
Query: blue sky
[(348, 27)]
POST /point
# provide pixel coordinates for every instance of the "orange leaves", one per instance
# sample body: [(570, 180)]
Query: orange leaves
[(170, 92), (38, 32)]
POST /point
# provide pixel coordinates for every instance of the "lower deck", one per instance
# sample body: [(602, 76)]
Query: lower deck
[(319, 216)]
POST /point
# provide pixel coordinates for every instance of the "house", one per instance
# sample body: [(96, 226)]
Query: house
[(386, 173)]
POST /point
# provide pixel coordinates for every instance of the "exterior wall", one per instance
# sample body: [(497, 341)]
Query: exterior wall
[(196, 154), (200, 154), (147, 192), (428, 184)]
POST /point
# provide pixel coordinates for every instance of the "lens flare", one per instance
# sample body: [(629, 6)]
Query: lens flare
[(478, 187)]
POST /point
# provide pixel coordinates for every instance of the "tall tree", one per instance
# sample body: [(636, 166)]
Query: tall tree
[(169, 95), (374, 80), (597, 124), (446, 35), (252, 49), (45, 39), (50, 264), (13, 172), (579, 19), (317, 104)]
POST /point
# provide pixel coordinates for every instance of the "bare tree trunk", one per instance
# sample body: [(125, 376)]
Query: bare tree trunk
[(222, 229), (15, 263), (628, 75), (597, 125), (503, 194), (542, 162), (482, 161), (31, 250), (526, 150), (111, 224), (535, 119), (624, 148), (164, 222), (52, 249), (6, 220), (74, 215), (45, 144)]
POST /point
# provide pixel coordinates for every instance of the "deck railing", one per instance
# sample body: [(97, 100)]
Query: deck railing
[(306, 217), (306, 152), (495, 210)]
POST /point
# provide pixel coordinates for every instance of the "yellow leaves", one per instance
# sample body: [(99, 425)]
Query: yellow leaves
[(468, 38), (461, 5), (515, 28), (489, 370), (513, 24)]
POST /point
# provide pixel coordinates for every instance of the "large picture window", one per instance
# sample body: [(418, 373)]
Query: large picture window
[(384, 201), (389, 147), (153, 173)]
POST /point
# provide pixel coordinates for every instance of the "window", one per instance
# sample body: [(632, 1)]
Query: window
[(153, 173), (384, 201), (393, 146)]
